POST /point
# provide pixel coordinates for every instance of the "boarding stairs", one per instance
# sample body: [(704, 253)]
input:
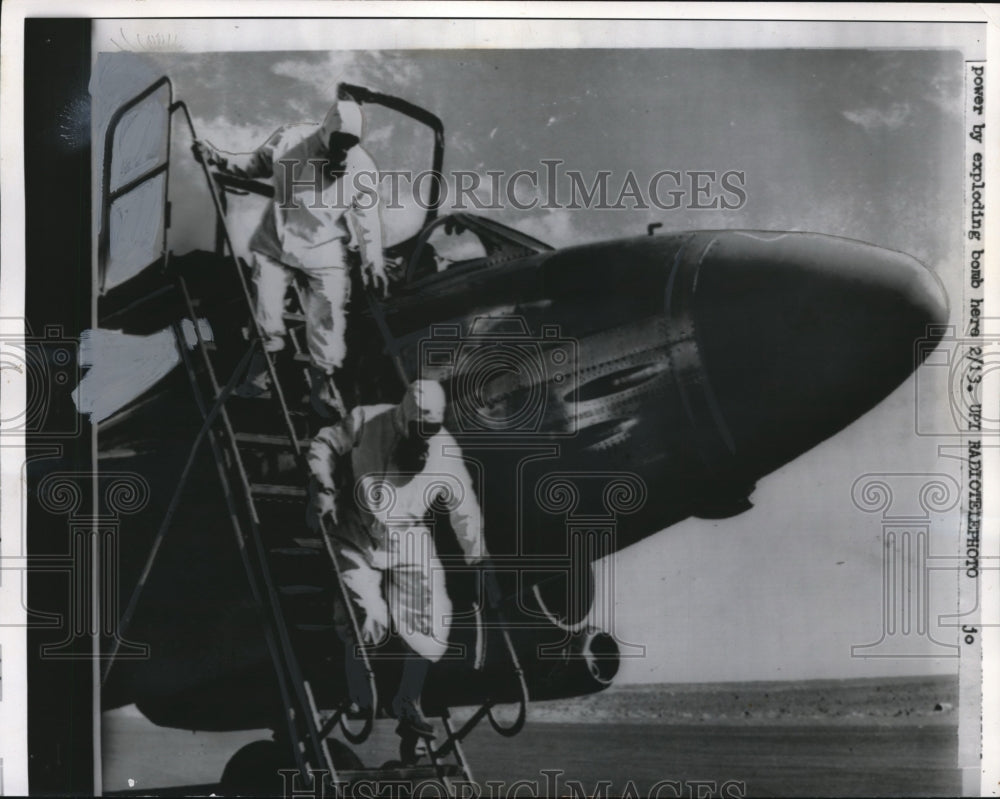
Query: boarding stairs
[(258, 445)]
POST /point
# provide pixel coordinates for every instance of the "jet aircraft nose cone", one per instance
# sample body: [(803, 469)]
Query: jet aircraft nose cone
[(799, 334)]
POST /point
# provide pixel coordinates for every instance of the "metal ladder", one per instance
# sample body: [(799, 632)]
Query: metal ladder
[(307, 730), (252, 501), (232, 446), (413, 748)]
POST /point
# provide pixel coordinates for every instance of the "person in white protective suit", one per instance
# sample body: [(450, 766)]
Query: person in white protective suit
[(323, 181), (375, 476)]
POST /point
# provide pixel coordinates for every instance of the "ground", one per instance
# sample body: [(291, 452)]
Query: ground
[(822, 738)]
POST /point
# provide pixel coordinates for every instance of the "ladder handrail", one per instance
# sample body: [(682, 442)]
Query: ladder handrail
[(284, 659), (220, 214), (392, 347), (487, 708), (453, 738), (108, 196), (285, 653), (522, 711), (125, 620), (293, 437), (307, 736), (359, 643), (272, 644)]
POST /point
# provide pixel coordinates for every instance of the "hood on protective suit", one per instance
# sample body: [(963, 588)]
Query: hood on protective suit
[(424, 403), (344, 116)]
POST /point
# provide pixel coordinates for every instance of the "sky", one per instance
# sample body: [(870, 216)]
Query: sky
[(858, 143)]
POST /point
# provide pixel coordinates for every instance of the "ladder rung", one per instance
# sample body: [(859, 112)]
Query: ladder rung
[(301, 590), (294, 317), (267, 439), (310, 543), (296, 552), (264, 395), (278, 491), (301, 357)]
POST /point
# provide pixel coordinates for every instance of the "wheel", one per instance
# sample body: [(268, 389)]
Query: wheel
[(253, 770)]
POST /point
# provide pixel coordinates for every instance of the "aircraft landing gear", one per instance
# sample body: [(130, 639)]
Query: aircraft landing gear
[(254, 769)]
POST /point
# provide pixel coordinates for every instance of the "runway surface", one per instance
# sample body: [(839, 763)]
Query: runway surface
[(766, 760)]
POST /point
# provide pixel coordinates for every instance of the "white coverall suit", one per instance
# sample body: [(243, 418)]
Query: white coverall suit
[(304, 228), (383, 533)]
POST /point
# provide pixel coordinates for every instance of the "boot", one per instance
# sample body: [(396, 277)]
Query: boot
[(406, 704), (323, 395), (257, 380)]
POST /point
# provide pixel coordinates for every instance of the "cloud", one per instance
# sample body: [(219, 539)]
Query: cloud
[(323, 74), (380, 136), (401, 71), (561, 227), (872, 118), (945, 92), (372, 69), (226, 135)]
